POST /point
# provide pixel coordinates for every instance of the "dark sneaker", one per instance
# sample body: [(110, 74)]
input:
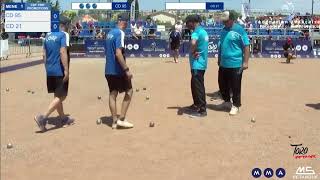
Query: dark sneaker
[(200, 113), (66, 121), (192, 108), (41, 122)]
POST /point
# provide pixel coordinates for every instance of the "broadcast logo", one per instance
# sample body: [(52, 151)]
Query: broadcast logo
[(301, 152), (268, 173), (305, 173)]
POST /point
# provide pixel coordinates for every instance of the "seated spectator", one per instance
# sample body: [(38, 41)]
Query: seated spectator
[(241, 21), (138, 30), (133, 25), (150, 28), (210, 21), (178, 27)]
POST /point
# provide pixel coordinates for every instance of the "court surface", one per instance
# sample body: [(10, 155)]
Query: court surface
[(284, 100)]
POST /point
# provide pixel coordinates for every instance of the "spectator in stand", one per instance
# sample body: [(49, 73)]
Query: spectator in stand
[(150, 27), (241, 22), (137, 32), (133, 26), (178, 27), (210, 21)]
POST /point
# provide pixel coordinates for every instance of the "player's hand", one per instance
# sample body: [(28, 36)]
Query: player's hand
[(245, 66), (196, 55), (129, 75), (66, 76)]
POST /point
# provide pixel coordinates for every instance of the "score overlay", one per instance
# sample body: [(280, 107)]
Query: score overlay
[(30, 17)]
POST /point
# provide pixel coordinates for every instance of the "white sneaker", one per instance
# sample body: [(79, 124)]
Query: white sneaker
[(124, 124), (234, 110)]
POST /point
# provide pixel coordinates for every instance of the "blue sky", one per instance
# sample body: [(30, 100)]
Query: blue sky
[(301, 5)]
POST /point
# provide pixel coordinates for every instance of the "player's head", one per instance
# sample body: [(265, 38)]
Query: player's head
[(123, 21), (289, 40), (64, 23), (192, 21), (228, 18)]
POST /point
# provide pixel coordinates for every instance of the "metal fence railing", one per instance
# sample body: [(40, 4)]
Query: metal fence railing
[(25, 47)]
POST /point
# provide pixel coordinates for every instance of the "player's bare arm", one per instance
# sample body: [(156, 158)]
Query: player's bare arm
[(194, 49), (64, 60), (246, 58), (123, 63)]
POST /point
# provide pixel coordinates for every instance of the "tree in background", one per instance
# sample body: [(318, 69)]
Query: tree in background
[(56, 7), (70, 14)]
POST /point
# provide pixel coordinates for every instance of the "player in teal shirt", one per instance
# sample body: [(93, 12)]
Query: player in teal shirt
[(233, 59), (198, 62)]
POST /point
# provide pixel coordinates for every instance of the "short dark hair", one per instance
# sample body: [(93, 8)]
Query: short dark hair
[(123, 17), (64, 21), (193, 18)]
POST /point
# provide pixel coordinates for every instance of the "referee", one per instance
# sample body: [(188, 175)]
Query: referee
[(198, 62), (233, 59), (57, 69)]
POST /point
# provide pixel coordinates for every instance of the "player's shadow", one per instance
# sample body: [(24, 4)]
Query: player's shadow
[(314, 106), (215, 95), (107, 120), (282, 62), (181, 110), (55, 122)]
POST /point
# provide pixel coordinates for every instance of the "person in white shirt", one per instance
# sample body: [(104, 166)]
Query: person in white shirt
[(178, 27), (138, 30)]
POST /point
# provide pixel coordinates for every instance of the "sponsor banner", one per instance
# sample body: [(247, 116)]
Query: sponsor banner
[(154, 48), (95, 48), (161, 48), (133, 48), (274, 48)]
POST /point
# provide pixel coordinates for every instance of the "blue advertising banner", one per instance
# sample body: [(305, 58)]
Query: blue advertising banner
[(133, 47), (274, 48), (95, 48), (155, 48), (161, 48)]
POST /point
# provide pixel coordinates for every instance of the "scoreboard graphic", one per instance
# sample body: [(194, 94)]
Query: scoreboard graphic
[(30, 17)]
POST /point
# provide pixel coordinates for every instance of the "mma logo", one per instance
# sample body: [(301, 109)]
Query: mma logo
[(268, 172), (305, 173)]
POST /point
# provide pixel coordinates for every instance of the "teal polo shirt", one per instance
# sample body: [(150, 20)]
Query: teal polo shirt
[(202, 38), (231, 45)]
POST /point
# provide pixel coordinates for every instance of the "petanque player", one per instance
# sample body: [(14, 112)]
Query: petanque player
[(118, 73), (57, 70)]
